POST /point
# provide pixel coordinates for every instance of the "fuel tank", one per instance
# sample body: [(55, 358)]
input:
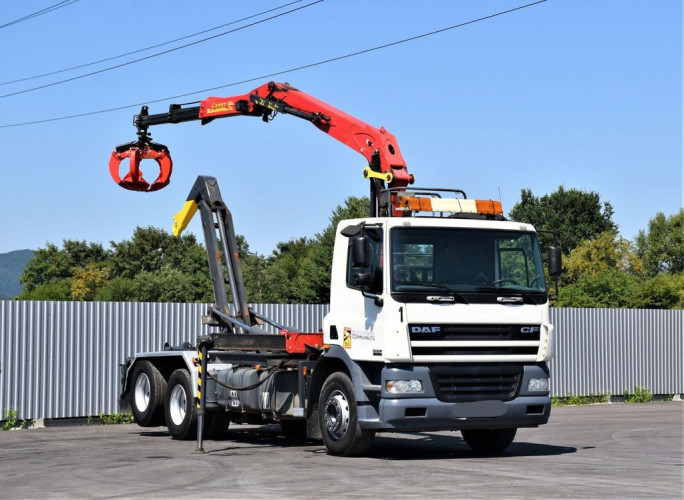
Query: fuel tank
[(248, 390)]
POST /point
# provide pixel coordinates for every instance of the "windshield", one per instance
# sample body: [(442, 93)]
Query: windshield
[(465, 260)]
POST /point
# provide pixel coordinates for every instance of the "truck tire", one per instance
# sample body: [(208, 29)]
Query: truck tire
[(147, 393), (488, 440), (338, 418), (181, 418)]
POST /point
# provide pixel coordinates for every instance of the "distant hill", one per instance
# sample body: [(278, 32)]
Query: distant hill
[(11, 266)]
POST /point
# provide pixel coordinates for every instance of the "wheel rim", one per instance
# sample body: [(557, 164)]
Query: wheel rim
[(142, 392), (178, 405), (337, 415)]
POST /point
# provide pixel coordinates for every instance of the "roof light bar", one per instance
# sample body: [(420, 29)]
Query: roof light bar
[(453, 205)]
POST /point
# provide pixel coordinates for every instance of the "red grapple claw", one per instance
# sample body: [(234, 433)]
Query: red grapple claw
[(134, 180)]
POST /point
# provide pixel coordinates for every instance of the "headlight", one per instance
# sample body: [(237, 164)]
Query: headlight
[(538, 384), (403, 386)]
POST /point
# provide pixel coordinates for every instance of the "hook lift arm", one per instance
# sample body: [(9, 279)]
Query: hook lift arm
[(378, 146)]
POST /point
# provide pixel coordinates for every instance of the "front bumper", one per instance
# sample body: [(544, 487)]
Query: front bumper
[(424, 414), (426, 411)]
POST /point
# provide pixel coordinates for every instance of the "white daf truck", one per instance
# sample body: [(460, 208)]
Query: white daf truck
[(439, 313)]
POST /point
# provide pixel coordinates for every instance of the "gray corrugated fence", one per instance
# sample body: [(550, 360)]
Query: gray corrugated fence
[(613, 350), (60, 359)]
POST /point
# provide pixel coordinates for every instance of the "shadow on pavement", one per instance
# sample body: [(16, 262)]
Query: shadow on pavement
[(437, 446), (396, 446), (155, 433)]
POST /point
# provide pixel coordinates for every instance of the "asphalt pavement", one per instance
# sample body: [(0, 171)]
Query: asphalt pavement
[(595, 451)]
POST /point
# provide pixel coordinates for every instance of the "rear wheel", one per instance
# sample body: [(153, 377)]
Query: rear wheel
[(338, 418), (148, 392), (491, 440), (181, 418)]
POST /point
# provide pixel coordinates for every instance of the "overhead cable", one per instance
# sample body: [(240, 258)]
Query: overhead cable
[(151, 56), (278, 73), (85, 65), (46, 10)]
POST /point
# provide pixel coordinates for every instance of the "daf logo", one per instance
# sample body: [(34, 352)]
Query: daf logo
[(529, 329), (425, 329)]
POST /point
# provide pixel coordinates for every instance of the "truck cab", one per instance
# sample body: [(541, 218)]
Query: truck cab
[(443, 323)]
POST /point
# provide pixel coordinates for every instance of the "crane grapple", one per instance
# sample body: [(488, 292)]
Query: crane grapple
[(136, 152)]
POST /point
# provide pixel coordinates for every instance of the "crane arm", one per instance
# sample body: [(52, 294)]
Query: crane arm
[(378, 146)]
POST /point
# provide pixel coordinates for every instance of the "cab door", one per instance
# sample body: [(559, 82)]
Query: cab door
[(358, 316)]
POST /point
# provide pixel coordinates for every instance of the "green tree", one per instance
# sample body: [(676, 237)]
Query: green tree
[(298, 271), (605, 252), (662, 247), (607, 272), (575, 215), (170, 285), (52, 265), (151, 249), (87, 280), (151, 266), (155, 266), (284, 267), (59, 289), (258, 285), (117, 290), (609, 288), (313, 280), (615, 288), (663, 291)]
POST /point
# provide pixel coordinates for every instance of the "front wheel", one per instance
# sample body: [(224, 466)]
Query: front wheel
[(488, 440), (181, 418), (338, 418)]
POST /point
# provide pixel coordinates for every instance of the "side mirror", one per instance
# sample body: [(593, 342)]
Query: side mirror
[(359, 254), (362, 279), (555, 261), (365, 280)]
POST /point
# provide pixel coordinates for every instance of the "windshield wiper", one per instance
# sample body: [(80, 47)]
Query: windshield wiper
[(434, 286)]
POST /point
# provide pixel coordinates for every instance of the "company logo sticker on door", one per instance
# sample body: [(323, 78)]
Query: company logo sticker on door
[(346, 343)]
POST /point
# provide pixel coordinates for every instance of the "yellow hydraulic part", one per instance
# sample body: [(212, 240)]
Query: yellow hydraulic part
[(385, 176), (183, 218)]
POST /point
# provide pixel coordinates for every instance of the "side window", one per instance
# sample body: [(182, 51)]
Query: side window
[(375, 262)]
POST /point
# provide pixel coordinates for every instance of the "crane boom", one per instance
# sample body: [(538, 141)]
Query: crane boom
[(386, 170)]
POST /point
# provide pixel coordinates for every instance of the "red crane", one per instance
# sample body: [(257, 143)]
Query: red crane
[(386, 170)]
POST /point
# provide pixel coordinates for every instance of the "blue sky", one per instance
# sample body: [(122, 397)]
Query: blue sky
[(581, 93)]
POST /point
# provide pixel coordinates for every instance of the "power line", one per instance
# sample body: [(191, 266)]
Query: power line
[(151, 46), (157, 54), (46, 10), (278, 73)]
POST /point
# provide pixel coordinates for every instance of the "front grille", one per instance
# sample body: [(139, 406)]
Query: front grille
[(489, 381), (473, 332), (437, 342), (483, 350)]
